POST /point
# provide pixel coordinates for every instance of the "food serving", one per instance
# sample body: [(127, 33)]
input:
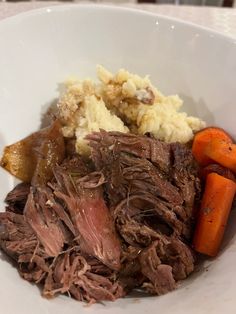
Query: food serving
[(121, 191)]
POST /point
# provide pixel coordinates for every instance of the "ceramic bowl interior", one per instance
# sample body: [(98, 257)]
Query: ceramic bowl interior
[(39, 49)]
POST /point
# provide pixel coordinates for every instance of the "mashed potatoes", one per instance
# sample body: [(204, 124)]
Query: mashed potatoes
[(123, 102), (83, 111)]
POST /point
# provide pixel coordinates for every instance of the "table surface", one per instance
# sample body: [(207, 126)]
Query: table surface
[(220, 19)]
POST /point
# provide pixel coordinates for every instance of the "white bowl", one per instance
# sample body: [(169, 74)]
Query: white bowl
[(39, 49)]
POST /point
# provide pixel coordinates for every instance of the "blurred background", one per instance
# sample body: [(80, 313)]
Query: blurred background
[(217, 3), (227, 3)]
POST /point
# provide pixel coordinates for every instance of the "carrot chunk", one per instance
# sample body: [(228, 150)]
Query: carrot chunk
[(202, 139), (223, 153), (213, 216)]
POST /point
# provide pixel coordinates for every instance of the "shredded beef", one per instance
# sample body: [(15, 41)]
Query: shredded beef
[(17, 198), (96, 231), (44, 222), (151, 201), (160, 275), (139, 146), (165, 261), (185, 175), (94, 228), (71, 273), (167, 193)]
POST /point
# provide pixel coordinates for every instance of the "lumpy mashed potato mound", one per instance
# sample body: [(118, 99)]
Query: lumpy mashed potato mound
[(83, 111), (123, 102)]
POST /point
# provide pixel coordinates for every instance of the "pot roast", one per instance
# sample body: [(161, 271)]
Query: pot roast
[(99, 229)]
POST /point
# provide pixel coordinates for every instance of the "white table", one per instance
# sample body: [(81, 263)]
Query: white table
[(220, 19)]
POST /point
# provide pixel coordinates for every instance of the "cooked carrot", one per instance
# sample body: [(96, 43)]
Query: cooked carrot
[(222, 152), (215, 208), (201, 140)]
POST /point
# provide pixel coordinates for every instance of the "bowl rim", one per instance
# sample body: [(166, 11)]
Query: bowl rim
[(113, 8)]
